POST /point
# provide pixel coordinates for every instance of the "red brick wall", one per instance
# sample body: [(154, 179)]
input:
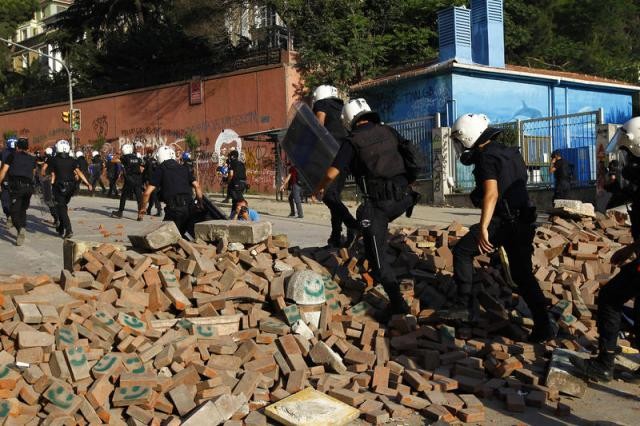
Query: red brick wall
[(247, 101)]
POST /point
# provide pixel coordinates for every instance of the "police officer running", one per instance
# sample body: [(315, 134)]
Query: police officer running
[(47, 189), (175, 183), (327, 107), (97, 164), (64, 173), (132, 167), (371, 153), (625, 285), (20, 167), (113, 173), (150, 166), (83, 165), (237, 179), (4, 197), (507, 219)]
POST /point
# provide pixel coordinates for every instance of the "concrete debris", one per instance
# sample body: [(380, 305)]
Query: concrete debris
[(195, 331)]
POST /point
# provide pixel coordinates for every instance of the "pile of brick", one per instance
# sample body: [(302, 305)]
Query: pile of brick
[(202, 333)]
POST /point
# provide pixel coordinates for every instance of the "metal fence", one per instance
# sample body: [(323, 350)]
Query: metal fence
[(418, 131), (574, 135)]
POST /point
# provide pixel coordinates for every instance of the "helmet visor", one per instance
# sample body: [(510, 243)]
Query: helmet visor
[(617, 141)]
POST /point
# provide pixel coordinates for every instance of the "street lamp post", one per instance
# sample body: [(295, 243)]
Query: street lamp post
[(73, 139)]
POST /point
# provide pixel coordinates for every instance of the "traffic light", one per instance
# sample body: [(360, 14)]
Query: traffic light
[(75, 119), (65, 116)]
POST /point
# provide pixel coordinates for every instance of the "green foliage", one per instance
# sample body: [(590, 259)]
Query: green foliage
[(191, 142), (99, 143), (9, 134)]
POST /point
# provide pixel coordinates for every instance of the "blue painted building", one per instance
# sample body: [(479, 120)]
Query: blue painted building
[(470, 75)]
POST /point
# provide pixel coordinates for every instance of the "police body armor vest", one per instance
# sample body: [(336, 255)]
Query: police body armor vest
[(22, 166), (377, 149), (133, 165)]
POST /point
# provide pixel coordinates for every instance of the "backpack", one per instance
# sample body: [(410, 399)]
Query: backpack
[(413, 161)]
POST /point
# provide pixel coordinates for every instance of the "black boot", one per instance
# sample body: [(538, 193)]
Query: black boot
[(117, 213), (598, 369), (397, 305), (543, 330), (464, 308)]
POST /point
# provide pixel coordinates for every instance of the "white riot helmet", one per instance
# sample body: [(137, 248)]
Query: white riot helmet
[(95, 153), (470, 130), (63, 147), (48, 151), (79, 154), (324, 91), (306, 287), (356, 109), (165, 153), (127, 149), (625, 147)]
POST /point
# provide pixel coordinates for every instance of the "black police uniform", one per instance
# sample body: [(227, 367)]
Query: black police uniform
[(4, 197), (20, 181), (175, 183), (96, 172), (64, 167), (132, 180), (238, 183), (47, 190), (83, 165), (512, 226), (339, 212), (113, 173), (150, 166), (562, 178), (371, 153), (189, 164)]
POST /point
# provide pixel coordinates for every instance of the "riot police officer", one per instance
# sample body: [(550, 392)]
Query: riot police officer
[(625, 145), (188, 162), (507, 219), (47, 190), (327, 107), (20, 167), (175, 183), (372, 154), (82, 163), (132, 168), (4, 197), (97, 165), (113, 173), (237, 179), (150, 166), (64, 173)]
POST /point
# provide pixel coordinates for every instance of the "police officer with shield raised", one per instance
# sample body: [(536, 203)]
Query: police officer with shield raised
[(19, 168), (327, 106), (373, 156)]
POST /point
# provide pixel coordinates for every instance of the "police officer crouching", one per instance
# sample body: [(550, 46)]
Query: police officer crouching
[(175, 182), (625, 145), (20, 167), (371, 154), (132, 167), (64, 173), (507, 219)]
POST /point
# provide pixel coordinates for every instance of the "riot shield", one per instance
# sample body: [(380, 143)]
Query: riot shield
[(308, 144)]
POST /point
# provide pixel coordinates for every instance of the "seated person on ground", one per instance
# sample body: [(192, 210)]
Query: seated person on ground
[(243, 212)]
